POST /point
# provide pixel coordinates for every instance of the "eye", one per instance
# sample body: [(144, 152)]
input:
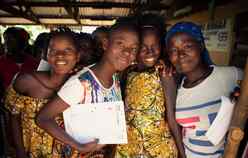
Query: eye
[(134, 50), (69, 50), (188, 46), (119, 43), (52, 52), (173, 50)]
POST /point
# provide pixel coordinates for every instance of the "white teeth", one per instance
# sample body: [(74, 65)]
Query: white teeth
[(60, 62), (149, 59)]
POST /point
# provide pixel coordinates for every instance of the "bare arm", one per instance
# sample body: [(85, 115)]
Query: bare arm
[(170, 93), (46, 120)]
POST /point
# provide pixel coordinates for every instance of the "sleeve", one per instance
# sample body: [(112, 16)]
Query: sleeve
[(238, 74), (13, 101), (72, 92)]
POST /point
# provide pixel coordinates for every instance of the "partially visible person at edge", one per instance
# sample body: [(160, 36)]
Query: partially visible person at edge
[(15, 59), (100, 34), (88, 49), (199, 95), (94, 84), (30, 91), (150, 116), (40, 48)]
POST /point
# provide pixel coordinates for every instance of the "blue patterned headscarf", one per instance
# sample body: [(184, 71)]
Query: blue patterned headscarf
[(194, 31)]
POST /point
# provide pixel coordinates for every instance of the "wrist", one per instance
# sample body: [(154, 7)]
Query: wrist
[(75, 145)]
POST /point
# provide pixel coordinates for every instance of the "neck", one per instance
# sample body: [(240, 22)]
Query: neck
[(141, 67), (104, 71), (57, 80), (198, 75)]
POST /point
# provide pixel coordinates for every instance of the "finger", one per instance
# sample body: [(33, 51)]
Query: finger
[(100, 146), (91, 146), (171, 71)]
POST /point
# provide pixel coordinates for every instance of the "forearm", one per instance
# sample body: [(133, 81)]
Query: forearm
[(176, 132), (51, 127), (170, 93)]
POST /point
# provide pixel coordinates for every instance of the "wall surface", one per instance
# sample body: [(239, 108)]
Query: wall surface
[(226, 12)]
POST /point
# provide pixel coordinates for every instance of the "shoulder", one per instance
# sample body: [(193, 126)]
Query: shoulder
[(228, 76), (22, 79), (75, 81), (228, 71), (23, 82)]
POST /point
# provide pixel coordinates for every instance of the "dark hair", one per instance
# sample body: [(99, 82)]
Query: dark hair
[(66, 32), (129, 23), (93, 55), (101, 29), (154, 20), (41, 43), (156, 23), (20, 34)]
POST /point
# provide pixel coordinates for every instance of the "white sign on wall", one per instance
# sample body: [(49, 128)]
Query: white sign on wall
[(218, 35)]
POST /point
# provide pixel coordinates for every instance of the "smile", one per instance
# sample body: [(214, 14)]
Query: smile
[(150, 59), (61, 63)]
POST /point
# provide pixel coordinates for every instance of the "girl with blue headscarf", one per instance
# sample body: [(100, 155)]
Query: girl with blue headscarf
[(199, 96)]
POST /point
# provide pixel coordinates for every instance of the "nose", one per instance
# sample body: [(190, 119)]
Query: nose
[(150, 51), (60, 53)]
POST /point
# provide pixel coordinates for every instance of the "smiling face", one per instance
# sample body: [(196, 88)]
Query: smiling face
[(62, 54), (184, 53), (150, 48), (123, 45)]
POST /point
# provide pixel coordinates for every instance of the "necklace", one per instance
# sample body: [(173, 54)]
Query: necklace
[(201, 78)]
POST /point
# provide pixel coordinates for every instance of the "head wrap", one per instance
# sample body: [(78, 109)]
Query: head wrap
[(194, 31)]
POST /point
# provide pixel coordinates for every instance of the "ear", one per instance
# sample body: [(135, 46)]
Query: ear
[(105, 44)]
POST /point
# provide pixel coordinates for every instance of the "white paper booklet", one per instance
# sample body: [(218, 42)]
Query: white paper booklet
[(220, 126), (105, 121)]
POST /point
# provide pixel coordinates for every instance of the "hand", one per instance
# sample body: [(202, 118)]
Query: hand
[(235, 94), (89, 147), (166, 73), (165, 69)]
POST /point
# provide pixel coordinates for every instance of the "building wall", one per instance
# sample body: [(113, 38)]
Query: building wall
[(223, 12)]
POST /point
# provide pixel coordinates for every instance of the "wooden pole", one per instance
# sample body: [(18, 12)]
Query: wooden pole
[(240, 115)]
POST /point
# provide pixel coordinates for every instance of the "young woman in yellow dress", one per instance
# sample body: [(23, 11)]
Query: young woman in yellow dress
[(30, 91), (150, 119)]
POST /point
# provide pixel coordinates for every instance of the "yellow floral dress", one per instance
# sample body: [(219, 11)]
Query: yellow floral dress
[(37, 143), (148, 132)]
